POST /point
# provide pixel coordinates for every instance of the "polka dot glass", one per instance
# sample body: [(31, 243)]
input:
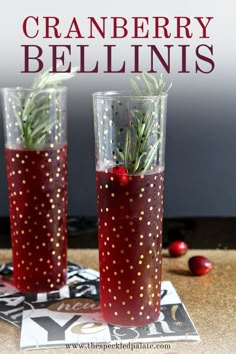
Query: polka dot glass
[(130, 212), (37, 188)]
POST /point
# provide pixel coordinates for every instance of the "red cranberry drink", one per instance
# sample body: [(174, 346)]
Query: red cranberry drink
[(129, 152), (37, 184), (130, 211), (35, 132)]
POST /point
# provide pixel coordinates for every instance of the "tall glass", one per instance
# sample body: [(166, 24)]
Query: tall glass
[(36, 161), (130, 145)]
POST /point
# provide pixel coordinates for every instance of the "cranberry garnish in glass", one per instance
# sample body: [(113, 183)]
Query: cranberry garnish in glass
[(130, 144)]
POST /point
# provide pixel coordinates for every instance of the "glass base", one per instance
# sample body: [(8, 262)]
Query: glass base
[(129, 324), (39, 286)]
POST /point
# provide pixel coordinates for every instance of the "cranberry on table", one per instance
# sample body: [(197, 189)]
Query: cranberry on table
[(177, 248), (200, 265)]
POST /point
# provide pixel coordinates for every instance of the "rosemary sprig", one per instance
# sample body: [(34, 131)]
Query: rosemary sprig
[(143, 135), (31, 110), (149, 85)]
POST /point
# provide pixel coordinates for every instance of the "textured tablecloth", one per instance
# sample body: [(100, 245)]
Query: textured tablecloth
[(210, 301)]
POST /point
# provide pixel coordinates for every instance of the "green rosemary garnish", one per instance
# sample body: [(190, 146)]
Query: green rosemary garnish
[(143, 135), (149, 85), (32, 109)]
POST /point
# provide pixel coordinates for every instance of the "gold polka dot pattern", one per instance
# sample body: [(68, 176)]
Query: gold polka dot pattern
[(130, 241), (37, 186)]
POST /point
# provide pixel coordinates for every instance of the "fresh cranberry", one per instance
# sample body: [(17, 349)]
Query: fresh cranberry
[(177, 248), (119, 170), (121, 174), (199, 265)]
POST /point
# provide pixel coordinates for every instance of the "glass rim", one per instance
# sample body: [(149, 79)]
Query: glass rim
[(25, 89), (111, 94)]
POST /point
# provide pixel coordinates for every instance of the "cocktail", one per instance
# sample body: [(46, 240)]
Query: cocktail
[(36, 159), (130, 143)]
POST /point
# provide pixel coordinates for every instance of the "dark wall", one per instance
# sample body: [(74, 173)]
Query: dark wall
[(200, 150)]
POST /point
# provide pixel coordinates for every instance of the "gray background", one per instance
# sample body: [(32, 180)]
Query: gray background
[(201, 125)]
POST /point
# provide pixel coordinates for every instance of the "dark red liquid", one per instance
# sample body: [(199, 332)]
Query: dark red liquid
[(130, 244), (37, 186)]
